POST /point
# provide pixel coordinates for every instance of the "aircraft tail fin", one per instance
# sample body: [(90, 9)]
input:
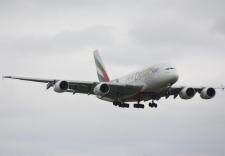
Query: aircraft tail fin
[(101, 72)]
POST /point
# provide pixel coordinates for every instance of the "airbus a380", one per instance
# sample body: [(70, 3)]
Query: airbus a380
[(149, 84)]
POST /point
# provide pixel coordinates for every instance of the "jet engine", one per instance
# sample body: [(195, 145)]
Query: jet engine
[(101, 89), (61, 86), (208, 93), (187, 93)]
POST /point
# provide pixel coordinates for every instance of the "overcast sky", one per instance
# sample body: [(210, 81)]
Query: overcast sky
[(55, 39)]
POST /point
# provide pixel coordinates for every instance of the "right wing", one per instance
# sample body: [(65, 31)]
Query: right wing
[(189, 92), (185, 92)]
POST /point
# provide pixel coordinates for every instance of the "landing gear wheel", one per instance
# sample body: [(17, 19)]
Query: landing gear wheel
[(153, 104), (116, 103), (139, 106), (124, 105)]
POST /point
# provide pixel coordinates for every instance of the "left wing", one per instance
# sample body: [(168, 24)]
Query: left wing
[(69, 86), (115, 90)]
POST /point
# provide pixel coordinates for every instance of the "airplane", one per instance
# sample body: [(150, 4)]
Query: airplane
[(149, 84)]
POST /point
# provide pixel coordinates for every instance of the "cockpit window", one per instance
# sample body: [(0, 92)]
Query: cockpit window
[(170, 68)]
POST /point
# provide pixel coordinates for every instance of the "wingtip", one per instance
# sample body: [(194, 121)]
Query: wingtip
[(3, 77), (223, 87)]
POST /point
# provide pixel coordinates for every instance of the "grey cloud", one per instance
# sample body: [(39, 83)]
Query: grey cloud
[(44, 39), (173, 34), (56, 5), (219, 26), (66, 41), (177, 30)]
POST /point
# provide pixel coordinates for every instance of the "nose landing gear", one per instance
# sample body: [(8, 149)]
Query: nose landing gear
[(153, 104)]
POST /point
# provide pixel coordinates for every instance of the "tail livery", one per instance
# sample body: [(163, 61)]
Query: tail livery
[(102, 74)]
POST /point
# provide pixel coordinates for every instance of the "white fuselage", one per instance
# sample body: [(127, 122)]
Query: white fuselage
[(152, 79)]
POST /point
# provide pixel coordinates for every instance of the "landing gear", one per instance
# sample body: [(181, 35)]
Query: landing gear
[(138, 105), (116, 103), (153, 104), (120, 104), (124, 105)]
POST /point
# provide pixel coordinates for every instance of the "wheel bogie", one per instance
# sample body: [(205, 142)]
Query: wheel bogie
[(136, 105), (153, 105), (122, 105), (139, 106)]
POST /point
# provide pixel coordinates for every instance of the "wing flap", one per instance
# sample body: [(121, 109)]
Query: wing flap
[(82, 87)]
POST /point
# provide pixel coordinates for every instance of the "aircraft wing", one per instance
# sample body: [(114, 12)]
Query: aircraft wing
[(74, 86), (205, 92), (85, 87), (175, 91)]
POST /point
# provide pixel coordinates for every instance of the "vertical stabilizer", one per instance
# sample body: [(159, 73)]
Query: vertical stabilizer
[(102, 74)]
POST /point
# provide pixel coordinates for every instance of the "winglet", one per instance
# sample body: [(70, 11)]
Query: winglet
[(8, 77), (223, 87)]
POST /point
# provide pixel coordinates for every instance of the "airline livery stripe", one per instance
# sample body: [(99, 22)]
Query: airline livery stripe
[(103, 72), (100, 72)]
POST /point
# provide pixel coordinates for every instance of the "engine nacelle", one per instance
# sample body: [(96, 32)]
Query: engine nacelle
[(187, 93), (208, 93), (101, 89), (61, 86)]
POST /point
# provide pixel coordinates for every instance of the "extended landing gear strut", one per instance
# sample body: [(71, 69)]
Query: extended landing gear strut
[(153, 104), (138, 105)]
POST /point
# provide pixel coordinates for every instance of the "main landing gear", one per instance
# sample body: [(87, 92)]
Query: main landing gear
[(153, 104), (138, 105), (122, 105)]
